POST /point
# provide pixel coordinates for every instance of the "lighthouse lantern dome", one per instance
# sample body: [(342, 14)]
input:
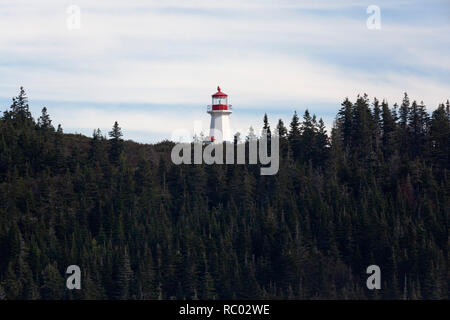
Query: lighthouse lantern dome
[(219, 98)]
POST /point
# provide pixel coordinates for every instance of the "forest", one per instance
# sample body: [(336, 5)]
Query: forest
[(373, 191)]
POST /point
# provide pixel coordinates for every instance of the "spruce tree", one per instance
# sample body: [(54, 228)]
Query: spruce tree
[(44, 121), (116, 143), (294, 137), (266, 125)]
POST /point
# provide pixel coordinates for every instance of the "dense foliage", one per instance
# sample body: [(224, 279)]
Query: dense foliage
[(375, 192)]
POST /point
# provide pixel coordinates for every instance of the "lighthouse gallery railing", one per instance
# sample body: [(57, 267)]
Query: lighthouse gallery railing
[(209, 108)]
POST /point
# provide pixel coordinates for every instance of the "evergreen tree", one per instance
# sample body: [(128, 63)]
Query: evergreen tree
[(116, 143), (294, 136), (20, 113), (321, 144), (283, 135), (418, 124), (440, 136), (44, 121), (345, 118), (403, 130), (266, 126), (388, 126), (377, 124), (281, 129)]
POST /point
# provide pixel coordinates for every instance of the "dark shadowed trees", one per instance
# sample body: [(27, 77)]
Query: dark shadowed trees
[(141, 227)]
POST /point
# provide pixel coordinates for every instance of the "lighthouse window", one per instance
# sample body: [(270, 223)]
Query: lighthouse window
[(220, 100)]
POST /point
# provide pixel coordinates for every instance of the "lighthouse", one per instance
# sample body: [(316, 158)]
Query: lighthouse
[(220, 112)]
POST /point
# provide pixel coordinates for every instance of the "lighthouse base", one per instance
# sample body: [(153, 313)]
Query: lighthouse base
[(220, 126)]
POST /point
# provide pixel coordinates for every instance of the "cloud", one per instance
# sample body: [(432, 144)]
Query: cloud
[(278, 55)]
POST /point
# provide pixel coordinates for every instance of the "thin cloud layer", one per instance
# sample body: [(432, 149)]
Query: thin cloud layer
[(269, 55)]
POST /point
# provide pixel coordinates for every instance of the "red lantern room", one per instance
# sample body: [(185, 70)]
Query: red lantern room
[(219, 100)]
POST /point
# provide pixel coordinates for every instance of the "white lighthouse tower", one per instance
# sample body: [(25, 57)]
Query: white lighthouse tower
[(220, 112)]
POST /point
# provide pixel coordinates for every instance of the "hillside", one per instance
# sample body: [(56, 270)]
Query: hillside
[(374, 191)]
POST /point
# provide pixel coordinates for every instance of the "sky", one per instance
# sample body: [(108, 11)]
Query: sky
[(153, 65)]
